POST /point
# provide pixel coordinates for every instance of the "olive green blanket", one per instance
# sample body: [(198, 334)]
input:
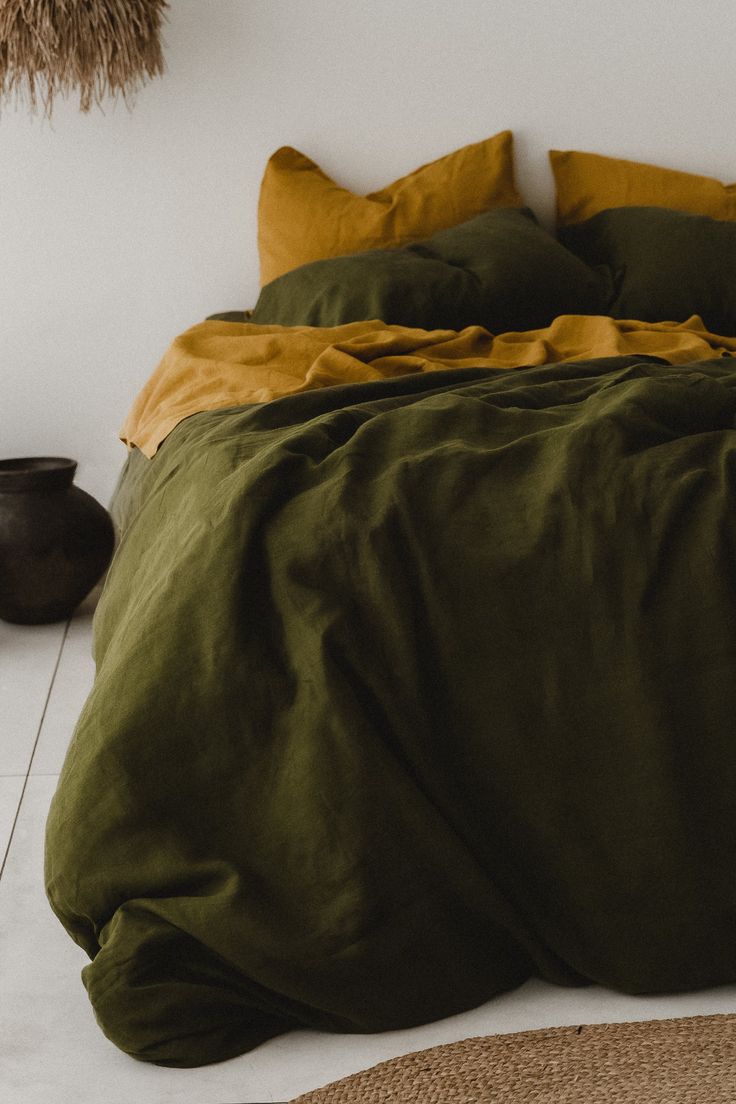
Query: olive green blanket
[(408, 691)]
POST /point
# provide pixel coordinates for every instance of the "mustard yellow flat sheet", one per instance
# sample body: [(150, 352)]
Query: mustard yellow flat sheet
[(221, 364)]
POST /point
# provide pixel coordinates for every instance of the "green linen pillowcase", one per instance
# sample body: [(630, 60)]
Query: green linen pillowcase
[(662, 265), (500, 270)]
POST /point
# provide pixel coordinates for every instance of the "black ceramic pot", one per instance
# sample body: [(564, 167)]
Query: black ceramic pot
[(55, 540)]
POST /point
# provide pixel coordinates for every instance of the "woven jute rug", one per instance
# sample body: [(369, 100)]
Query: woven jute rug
[(683, 1061)]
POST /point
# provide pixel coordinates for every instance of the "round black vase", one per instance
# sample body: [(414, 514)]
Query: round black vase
[(55, 540)]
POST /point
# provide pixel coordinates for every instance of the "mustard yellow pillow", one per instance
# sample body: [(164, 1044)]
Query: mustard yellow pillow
[(305, 216), (588, 183)]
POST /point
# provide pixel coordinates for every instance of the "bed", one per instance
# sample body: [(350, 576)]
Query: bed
[(415, 663)]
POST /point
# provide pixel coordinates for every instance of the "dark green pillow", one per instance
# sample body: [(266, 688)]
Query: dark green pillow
[(229, 316), (500, 270), (662, 265)]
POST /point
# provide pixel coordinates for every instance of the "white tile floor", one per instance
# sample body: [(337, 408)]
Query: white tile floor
[(51, 1050)]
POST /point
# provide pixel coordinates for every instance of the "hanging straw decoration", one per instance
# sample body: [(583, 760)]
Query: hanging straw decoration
[(102, 47)]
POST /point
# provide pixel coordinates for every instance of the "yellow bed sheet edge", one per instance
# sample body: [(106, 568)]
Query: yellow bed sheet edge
[(220, 364)]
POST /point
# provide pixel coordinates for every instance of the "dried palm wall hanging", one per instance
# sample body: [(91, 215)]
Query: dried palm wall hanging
[(100, 47)]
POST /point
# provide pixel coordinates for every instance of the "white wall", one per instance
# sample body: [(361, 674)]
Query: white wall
[(119, 230)]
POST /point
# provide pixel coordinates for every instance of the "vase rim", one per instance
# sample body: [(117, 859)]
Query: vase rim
[(36, 473)]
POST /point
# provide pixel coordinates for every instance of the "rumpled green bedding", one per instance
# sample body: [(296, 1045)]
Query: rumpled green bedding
[(406, 692)]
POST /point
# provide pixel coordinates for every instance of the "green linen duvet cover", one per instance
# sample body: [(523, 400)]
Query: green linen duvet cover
[(406, 692)]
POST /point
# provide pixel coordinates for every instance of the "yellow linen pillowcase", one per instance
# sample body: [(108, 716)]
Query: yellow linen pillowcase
[(588, 183), (305, 216)]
